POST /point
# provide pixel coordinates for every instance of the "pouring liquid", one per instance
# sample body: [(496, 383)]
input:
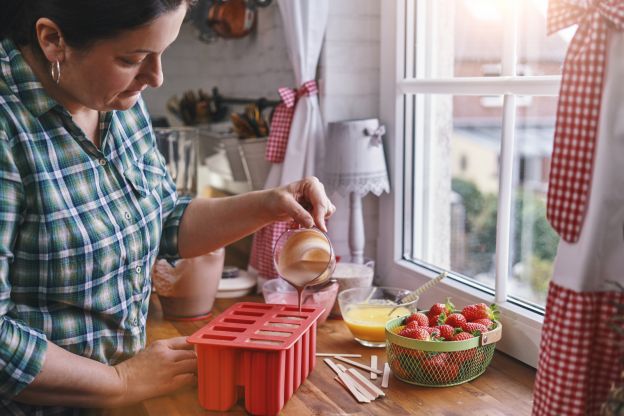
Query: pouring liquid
[(305, 260)]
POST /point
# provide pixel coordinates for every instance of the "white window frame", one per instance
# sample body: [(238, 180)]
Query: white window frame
[(522, 326)]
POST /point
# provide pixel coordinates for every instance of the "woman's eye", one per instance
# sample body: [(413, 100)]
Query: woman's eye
[(130, 62)]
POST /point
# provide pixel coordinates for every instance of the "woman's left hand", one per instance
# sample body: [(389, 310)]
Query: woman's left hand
[(304, 202)]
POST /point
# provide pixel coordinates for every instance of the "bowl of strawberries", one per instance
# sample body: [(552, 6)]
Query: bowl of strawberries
[(443, 346)]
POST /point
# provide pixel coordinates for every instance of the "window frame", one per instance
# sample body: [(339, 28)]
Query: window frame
[(522, 322)]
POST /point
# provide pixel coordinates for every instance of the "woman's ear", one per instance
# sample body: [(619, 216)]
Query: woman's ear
[(50, 40)]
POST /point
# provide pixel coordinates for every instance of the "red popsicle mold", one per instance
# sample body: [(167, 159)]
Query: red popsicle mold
[(267, 350)]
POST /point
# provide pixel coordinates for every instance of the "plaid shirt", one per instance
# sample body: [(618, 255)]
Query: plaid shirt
[(80, 228)]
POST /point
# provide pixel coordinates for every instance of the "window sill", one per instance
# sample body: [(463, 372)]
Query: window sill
[(522, 327)]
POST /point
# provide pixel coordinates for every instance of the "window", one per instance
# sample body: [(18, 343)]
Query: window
[(470, 87)]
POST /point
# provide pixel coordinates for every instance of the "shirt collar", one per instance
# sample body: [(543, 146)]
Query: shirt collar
[(21, 80)]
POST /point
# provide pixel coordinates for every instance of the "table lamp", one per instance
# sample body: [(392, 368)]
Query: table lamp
[(355, 165)]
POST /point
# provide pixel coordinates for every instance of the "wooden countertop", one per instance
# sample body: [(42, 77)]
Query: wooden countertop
[(504, 389)]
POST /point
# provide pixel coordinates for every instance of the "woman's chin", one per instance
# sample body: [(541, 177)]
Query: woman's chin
[(125, 101)]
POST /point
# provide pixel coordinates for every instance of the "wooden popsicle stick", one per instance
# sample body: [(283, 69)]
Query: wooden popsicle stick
[(358, 365), (366, 393), (370, 386), (332, 365), (386, 376), (328, 354), (348, 381), (341, 367), (373, 365), (360, 400)]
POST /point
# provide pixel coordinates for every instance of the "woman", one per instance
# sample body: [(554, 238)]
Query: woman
[(86, 206)]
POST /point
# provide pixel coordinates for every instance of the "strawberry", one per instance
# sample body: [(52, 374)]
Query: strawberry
[(416, 333), (446, 331), (456, 320), (440, 369), (419, 318), (464, 355), (439, 308), (474, 328), (488, 323), (462, 336), (480, 311), (434, 332), (412, 325), (434, 320)]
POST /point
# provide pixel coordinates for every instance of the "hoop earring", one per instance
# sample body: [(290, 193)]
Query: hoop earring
[(55, 71)]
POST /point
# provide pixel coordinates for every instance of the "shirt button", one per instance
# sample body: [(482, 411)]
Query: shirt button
[(138, 269), (127, 215), (102, 162)]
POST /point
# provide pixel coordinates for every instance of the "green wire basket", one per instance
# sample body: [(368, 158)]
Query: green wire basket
[(439, 363)]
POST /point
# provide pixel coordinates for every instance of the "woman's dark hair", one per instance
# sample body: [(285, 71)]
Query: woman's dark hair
[(82, 22)]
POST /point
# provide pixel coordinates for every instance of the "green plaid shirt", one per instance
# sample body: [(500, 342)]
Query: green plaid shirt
[(80, 228)]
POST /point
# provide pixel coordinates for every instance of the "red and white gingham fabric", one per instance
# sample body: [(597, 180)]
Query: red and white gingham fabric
[(579, 352), (578, 109), (264, 239), (282, 119)]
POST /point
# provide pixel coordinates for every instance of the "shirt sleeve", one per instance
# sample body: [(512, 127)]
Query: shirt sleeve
[(173, 209), (22, 349)]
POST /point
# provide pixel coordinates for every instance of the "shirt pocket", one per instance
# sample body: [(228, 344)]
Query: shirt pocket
[(146, 174)]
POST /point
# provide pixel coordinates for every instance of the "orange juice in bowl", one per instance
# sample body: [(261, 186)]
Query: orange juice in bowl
[(366, 310)]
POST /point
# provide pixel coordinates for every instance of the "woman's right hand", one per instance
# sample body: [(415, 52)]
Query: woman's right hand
[(161, 368)]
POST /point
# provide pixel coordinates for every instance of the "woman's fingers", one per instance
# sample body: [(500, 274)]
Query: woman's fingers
[(322, 207), (186, 366), (180, 355), (179, 343)]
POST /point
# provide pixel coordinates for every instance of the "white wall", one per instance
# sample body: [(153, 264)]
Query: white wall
[(258, 65), (251, 67)]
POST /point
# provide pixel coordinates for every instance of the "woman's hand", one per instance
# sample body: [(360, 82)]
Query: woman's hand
[(161, 368), (304, 202)]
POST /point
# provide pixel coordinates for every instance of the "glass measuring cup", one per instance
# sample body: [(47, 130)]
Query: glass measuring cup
[(304, 257)]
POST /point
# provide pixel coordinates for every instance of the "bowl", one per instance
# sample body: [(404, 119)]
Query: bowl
[(280, 292), (439, 364), (366, 310), (349, 275), (187, 288)]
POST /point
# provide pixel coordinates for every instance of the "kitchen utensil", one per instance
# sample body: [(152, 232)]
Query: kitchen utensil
[(232, 18), (278, 291), (414, 295), (266, 350)]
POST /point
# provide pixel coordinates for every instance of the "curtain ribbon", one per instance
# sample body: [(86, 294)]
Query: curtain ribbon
[(578, 109), (282, 119)]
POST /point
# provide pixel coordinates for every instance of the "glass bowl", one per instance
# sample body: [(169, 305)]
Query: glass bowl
[(279, 291), (366, 310)]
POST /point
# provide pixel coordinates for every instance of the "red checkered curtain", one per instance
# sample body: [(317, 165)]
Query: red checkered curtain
[(580, 352), (297, 135), (578, 109)]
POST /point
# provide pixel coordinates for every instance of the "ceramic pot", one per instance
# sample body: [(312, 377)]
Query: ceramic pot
[(187, 289)]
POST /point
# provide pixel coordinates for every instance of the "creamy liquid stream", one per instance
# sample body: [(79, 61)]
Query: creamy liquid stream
[(304, 261)]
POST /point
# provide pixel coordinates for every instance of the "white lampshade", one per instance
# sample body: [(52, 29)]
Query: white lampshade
[(354, 158)]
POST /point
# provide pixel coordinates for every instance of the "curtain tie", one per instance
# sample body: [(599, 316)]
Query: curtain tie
[(375, 135), (578, 108), (282, 119)]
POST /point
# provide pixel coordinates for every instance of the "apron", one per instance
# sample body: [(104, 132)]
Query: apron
[(580, 355)]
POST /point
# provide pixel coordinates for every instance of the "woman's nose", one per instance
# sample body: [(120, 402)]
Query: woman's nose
[(152, 73)]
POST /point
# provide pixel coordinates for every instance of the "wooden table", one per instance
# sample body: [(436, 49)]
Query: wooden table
[(504, 389)]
